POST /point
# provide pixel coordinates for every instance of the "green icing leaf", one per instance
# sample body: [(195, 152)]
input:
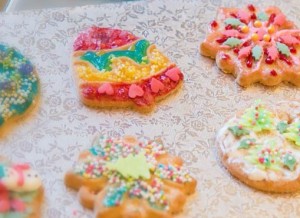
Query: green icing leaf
[(238, 131), (232, 42), (292, 133), (289, 161), (257, 118), (262, 16), (233, 22), (131, 166), (283, 48), (256, 52), (246, 143), (282, 126)]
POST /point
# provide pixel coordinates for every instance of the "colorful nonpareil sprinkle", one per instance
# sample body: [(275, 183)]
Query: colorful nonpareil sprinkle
[(132, 170), (18, 83)]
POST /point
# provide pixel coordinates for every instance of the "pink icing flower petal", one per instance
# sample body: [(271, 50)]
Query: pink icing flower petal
[(290, 40), (244, 16), (279, 19), (272, 52), (232, 33), (156, 85), (135, 91), (261, 32), (244, 52)]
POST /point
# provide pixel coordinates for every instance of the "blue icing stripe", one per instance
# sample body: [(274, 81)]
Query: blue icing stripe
[(18, 83)]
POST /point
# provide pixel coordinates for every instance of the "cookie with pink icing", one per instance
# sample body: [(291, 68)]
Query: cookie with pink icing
[(261, 146), (255, 45), (21, 191)]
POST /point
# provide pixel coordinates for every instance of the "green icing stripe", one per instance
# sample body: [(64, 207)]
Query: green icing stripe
[(137, 53)]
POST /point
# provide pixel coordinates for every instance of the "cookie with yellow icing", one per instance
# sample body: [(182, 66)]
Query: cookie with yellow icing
[(261, 146), (21, 191), (123, 177), (115, 68)]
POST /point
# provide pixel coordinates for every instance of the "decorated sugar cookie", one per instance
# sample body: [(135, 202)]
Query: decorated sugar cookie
[(21, 191), (18, 84), (254, 45), (123, 177), (261, 146), (115, 68)]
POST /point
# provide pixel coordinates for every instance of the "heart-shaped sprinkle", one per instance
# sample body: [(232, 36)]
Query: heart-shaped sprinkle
[(135, 91), (156, 85), (106, 88), (173, 74)]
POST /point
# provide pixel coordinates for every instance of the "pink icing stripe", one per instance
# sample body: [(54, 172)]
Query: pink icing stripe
[(244, 52)]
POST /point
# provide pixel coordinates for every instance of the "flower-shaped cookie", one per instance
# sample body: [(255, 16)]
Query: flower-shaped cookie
[(21, 191), (255, 45), (123, 178), (114, 68), (261, 147), (18, 84)]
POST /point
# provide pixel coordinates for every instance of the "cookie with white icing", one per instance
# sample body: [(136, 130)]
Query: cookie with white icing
[(261, 146), (21, 191), (124, 177), (19, 85)]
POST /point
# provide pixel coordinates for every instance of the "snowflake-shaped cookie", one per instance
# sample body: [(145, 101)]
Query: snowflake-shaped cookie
[(123, 177), (254, 45)]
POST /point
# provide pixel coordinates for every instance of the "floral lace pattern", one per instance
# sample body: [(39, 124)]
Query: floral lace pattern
[(50, 139)]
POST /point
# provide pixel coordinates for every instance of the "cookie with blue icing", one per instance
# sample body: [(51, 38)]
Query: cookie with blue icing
[(19, 84)]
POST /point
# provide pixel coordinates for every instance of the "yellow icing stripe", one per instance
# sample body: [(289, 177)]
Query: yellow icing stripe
[(124, 69)]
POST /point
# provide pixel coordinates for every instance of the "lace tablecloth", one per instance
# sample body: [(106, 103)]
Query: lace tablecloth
[(51, 138)]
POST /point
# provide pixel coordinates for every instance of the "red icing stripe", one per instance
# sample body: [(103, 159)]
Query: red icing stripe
[(97, 38), (121, 90)]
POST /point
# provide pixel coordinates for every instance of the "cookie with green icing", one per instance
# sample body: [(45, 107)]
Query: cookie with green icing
[(124, 177), (19, 84), (261, 146)]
